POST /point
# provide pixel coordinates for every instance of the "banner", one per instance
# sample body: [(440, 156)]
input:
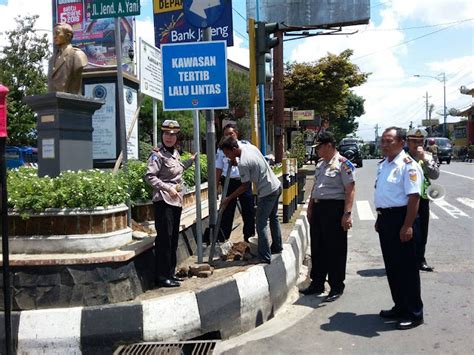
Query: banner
[(96, 37)]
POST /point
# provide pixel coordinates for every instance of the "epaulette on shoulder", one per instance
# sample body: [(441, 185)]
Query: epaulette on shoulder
[(380, 162), (407, 160)]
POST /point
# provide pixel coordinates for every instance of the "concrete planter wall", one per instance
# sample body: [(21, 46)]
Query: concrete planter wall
[(143, 211), (69, 230)]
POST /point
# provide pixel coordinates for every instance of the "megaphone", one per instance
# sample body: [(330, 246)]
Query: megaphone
[(435, 192)]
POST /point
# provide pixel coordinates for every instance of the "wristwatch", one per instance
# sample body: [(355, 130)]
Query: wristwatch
[(348, 213)]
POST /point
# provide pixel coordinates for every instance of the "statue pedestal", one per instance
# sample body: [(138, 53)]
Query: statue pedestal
[(64, 131)]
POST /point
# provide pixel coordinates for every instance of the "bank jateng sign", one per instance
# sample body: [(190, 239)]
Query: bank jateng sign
[(171, 25), (114, 8), (194, 76)]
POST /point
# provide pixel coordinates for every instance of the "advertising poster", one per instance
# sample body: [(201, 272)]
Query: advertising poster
[(96, 37), (172, 27), (71, 12)]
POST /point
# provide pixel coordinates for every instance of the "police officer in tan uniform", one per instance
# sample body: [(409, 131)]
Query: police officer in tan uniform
[(329, 213), (415, 140), (165, 174)]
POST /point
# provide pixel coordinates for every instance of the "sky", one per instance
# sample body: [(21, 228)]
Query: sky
[(403, 38)]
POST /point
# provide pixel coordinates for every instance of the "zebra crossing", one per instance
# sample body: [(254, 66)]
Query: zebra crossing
[(460, 207)]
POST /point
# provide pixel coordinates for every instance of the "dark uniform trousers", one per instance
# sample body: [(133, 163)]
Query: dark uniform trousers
[(328, 244), (167, 220), (422, 238), (401, 265), (248, 211)]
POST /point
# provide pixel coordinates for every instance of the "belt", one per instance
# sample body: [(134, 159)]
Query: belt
[(236, 178), (390, 209), (327, 201)]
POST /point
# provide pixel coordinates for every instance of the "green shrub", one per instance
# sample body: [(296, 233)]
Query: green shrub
[(82, 189), (188, 175)]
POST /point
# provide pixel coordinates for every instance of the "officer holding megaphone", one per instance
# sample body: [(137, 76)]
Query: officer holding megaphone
[(415, 139)]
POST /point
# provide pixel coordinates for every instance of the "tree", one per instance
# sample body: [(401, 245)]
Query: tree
[(239, 101), (323, 85), (345, 124), (145, 126), (21, 70)]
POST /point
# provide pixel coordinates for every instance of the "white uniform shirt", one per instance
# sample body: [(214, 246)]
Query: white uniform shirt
[(253, 167), (222, 163), (396, 180)]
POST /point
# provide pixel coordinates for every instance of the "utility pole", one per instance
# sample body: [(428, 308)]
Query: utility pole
[(426, 101), (278, 96), (376, 132)]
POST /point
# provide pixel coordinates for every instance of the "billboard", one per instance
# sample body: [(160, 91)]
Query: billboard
[(428, 123), (172, 27), (298, 13), (96, 37)]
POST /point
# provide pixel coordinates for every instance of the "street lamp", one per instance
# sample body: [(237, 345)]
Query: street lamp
[(442, 79)]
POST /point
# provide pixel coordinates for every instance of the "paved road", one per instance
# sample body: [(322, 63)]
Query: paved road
[(351, 325)]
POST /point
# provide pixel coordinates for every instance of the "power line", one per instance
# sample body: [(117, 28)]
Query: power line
[(238, 13), (417, 27), (408, 41)]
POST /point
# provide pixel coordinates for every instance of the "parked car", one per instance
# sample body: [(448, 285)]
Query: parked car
[(350, 149), (21, 156), (445, 148)]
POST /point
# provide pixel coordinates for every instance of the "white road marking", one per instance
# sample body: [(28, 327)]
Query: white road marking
[(463, 176), (364, 211), (450, 209), (433, 216), (466, 201)]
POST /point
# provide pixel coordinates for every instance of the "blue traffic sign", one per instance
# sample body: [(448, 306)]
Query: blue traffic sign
[(203, 14), (194, 76)]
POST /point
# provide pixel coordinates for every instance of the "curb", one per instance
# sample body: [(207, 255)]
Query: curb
[(231, 306)]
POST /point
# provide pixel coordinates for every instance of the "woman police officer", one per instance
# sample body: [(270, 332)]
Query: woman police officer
[(165, 175)]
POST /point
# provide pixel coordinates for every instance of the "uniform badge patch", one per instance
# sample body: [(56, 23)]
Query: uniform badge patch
[(413, 175), (348, 166), (154, 157)]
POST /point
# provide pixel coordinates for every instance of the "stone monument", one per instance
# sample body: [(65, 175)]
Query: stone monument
[(64, 115)]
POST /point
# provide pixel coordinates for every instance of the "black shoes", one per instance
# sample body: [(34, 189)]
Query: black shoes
[(167, 283), (313, 289), (177, 278), (405, 324), (425, 267), (332, 296), (390, 314), (275, 251)]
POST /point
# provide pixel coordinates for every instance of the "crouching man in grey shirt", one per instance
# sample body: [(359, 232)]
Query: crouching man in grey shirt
[(254, 168)]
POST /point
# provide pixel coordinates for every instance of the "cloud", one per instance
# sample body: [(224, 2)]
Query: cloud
[(238, 53), (392, 95)]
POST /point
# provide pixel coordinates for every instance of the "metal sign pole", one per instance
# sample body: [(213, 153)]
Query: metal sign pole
[(197, 184), (121, 109), (5, 251), (155, 122), (211, 157)]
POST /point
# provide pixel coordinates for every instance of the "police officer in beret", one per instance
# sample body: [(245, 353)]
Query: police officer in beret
[(415, 139), (330, 216), (165, 174), (397, 194)]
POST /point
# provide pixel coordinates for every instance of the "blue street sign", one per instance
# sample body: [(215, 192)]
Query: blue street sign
[(171, 26), (194, 76), (202, 14)]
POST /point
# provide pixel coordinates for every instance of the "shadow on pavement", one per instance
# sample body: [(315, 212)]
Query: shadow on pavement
[(372, 273), (365, 325)]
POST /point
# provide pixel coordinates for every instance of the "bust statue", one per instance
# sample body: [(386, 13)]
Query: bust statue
[(66, 64)]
